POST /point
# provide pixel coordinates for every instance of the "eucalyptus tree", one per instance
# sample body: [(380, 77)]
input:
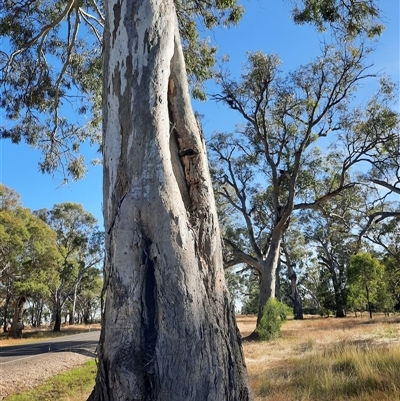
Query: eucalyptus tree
[(168, 329), (294, 252), (271, 167), (80, 243), (385, 238), (364, 277), (28, 257), (333, 234), (88, 303), (318, 297)]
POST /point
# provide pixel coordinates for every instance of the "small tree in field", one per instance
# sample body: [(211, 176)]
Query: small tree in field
[(274, 314), (364, 277)]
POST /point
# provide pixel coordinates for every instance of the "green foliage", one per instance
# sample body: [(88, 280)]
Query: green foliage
[(33, 93), (28, 253), (54, 48), (49, 257), (28, 250), (274, 314), (80, 243), (348, 17), (200, 55), (365, 277), (392, 271)]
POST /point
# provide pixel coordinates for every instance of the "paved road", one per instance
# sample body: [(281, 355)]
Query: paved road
[(82, 343)]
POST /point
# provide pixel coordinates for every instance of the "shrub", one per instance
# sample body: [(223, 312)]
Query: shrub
[(274, 314)]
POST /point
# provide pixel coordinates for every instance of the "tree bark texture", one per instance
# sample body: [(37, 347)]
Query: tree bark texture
[(340, 302), (268, 273), (6, 319), (17, 323), (169, 331), (296, 298), (57, 313)]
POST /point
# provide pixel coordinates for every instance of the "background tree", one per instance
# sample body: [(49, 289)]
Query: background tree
[(270, 168), (333, 233), (81, 245), (12, 236), (294, 253), (385, 237), (251, 294), (364, 276), (347, 17), (89, 297), (28, 257)]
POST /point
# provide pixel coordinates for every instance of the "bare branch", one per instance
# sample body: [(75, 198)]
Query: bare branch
[(43, 33), (385, 184), (241, 257)]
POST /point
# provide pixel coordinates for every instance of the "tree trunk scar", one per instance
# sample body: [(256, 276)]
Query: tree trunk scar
[(119, 193), (188, 148)]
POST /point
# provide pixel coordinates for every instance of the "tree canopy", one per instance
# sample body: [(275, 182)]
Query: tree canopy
[(43, 263), (51, 71)]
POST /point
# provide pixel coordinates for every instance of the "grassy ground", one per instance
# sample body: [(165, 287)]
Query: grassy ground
[(74, 385), (317, 359), (322, 359)]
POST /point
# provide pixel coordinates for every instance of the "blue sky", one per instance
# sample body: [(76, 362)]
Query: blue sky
[(266, 26)]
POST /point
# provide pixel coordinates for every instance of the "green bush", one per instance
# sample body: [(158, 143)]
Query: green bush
[(274, 314)]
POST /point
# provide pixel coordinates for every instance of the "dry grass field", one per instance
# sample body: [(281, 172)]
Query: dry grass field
[(326, 359)]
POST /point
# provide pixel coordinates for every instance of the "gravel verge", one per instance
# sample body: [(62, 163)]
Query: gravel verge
[(30, 372)]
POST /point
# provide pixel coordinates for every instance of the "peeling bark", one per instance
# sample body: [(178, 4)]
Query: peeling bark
[(168, 331)]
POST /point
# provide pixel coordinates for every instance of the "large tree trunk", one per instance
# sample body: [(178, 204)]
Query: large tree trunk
[(6, 319), (57, 314), (17, 323), (73, 308), (268, 274), (168, 331), (340, 302), (368, 302), (296, 298)]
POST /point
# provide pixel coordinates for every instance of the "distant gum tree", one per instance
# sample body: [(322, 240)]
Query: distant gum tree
[(80, 244), (364, 277), (271, 167), (28, 258)]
